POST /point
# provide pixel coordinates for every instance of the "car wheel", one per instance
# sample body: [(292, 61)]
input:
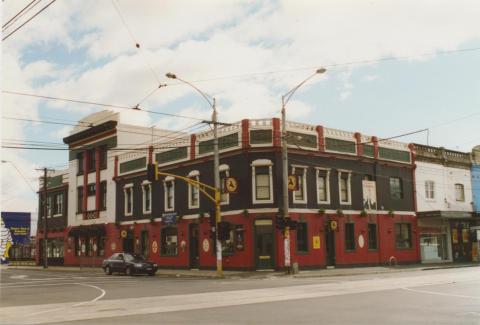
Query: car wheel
[(129, 271), (108, 270)]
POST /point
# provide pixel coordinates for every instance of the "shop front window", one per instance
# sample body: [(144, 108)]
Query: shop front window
[(434, 247), (169, 241)]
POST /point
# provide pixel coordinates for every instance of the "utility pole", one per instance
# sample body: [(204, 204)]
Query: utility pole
[(216, 176), (286, 235), (45, 211)]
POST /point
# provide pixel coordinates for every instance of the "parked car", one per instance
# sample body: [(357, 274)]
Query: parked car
[(129, 264)]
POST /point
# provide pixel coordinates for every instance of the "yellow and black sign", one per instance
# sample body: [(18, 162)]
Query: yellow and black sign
[(333, 225), (231, 185), (292, 183), (123, 234)]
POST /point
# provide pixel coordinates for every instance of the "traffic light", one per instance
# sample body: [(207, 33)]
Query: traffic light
[(223, 230), (280, 222)]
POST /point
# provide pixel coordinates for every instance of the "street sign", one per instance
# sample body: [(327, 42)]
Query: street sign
[(169, 218)]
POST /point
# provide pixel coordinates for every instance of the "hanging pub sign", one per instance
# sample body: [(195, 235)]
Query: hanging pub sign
[(369, 195), (292, 183), (169, 218), (231, 185)]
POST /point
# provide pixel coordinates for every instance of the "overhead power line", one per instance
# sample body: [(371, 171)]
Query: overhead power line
[(20, 13), (16, 29), (99, 104)]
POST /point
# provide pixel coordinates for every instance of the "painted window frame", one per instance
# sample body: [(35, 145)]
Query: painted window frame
[(262, 163), (327, 184), (144, 197), (128, 192), (369, 237), (58, 205), (163, 242), (224, 195), (461, 197), (305, 243), (349, 187), (171, 180), (410, 237), (400, 187), (303, 183), (430, 189), (194, 175)]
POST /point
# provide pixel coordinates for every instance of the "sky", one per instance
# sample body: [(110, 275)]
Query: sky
[(393, 67)]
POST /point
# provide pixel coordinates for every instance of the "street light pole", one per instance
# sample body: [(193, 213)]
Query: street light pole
[(286, 237), (216, 169)]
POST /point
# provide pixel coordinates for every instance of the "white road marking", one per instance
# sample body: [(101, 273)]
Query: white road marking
[(93, 300), (13, 286), (174, 303), (75, 305), (441, 293), (21, 276)]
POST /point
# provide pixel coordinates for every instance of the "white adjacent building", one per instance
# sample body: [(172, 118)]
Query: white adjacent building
[(444, 204)]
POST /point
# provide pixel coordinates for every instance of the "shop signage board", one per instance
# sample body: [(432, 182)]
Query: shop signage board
[(169, 218)]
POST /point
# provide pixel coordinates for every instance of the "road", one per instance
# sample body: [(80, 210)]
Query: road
[(446, 296)]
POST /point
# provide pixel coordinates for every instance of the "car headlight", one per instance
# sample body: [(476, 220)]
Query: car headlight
[(138, 265), (155, 265)]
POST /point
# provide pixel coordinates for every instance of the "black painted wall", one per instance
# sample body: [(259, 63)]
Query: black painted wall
[(240, 168)]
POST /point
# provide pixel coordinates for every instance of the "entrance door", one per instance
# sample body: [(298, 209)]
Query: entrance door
[(128, 242), (193, 239), (264, 243), (330, 244)]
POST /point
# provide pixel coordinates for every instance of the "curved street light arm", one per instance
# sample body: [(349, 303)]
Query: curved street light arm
[(208, 98), (289, 94)]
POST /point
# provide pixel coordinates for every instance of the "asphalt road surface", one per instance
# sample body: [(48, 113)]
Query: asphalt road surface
[(447, 296)]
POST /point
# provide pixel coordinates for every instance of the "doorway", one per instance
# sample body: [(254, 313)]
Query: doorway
[(264, 245), (330, 244), (128, 242), (193, 240)]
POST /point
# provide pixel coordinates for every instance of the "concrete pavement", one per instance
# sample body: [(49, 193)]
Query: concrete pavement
[(329, 272)]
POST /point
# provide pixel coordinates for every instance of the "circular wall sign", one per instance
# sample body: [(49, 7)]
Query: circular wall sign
[(154, 247), (123, 233), (206, 245), (361, 241), (333, 225)]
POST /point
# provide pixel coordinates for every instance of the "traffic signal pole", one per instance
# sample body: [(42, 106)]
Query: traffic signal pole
[(215, 198)]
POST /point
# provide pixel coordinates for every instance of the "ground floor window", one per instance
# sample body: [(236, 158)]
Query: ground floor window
[(403, 235), (302, 237), (434, 247), (372, 236), (169, 245), (55, 248), (349, 236), (90, 246)]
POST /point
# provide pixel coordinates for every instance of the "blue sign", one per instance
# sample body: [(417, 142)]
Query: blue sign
[(18, 223), (169, 218)]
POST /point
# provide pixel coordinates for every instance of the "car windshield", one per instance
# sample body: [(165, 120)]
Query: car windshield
[(133, 258)]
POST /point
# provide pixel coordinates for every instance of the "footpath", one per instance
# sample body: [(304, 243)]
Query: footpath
[(211, 274)]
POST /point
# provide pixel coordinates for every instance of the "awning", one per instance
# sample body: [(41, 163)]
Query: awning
[(87, 231), (445, 214)]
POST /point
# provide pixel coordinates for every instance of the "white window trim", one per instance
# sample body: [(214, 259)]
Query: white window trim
[(305, 168), (195, 175), (261, 163), (327, 184), (165, 197), (349, 187), (144, 201), (463, 192), (426, 191), (61, 210), (226, 169), (127, 186)]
